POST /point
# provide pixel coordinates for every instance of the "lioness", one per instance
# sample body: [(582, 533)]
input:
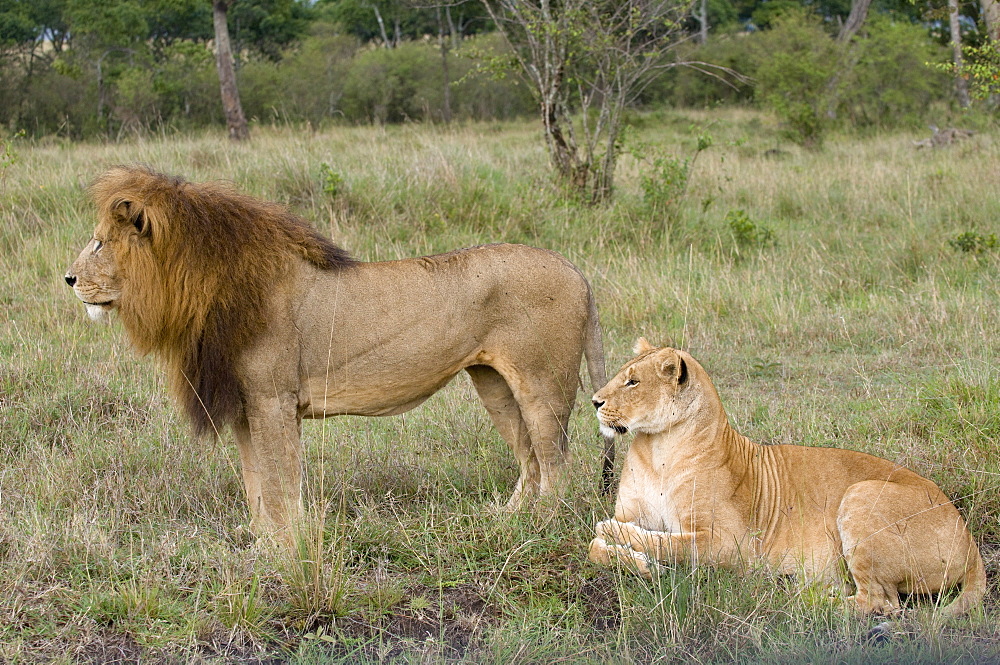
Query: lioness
[(261, 321), (693, 489)]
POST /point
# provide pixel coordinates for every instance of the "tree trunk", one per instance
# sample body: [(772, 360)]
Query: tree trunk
[(451, 28), (961, 85), (562, 145), (443, 45), (859, 11), (991, 17), (703, 22), (231, 106), (381, 27)]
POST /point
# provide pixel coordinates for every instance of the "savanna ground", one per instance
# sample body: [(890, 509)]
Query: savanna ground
[(825, 291)]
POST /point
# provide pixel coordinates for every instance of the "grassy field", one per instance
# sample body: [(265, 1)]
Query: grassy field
[(827, 293)]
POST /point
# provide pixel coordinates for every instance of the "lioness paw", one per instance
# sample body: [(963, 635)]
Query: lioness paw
[(598, 552)]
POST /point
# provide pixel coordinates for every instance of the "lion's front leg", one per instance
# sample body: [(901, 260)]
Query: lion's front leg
[(250, 469), (270, 453)]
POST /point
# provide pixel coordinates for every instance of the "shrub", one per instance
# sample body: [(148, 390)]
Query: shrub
[(667, 180), (331, 181), (310, 81), (747, 233), (890, 85), (973, 242), (797, 61), (388, 85)]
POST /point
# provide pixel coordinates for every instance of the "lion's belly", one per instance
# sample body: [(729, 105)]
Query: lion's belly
[(320, 397)]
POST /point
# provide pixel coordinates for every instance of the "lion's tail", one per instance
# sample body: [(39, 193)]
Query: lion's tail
[(593, 351), (973, 586)]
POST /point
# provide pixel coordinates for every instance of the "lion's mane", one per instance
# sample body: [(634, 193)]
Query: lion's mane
[(196, 283)]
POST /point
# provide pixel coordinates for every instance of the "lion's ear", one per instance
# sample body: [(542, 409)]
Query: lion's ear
[(127, 212), (141, 223), (120, 211), (641, 346)]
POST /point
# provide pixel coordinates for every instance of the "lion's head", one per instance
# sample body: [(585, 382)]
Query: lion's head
[(187, 266), (95, 280), (657, 389)]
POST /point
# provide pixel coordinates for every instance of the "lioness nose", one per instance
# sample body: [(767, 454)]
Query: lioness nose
[(70, 279), (597, 403)]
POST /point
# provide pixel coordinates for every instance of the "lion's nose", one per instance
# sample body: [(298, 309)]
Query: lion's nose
[(597, 403), (70, 279)]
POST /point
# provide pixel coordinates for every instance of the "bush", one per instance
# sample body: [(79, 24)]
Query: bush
[(390, 85), (686, 86), (407, 83), (890, 85), (747, 233), (972, 242), (797, 62), (316, 88)]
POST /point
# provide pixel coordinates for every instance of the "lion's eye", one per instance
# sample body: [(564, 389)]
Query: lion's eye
[(97, 245), (631, 382)]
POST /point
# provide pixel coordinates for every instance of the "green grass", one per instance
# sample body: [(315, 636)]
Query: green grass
[(853, 323)]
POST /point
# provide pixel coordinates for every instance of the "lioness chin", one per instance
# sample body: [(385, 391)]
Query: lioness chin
[(694, 490)]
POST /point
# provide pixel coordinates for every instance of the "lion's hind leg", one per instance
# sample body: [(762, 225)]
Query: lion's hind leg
[(900, 538), (505, 413), (545, 406)]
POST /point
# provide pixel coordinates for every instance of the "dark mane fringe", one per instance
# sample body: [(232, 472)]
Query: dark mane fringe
[(217, 254)]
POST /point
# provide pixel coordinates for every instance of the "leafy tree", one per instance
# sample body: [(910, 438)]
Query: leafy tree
[(592, 57), (267, 27), (102, 24), (16, 25), (389, 21), (172, 21)]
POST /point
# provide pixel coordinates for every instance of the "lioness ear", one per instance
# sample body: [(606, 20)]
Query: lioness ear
[(641, 346), (675, 368)]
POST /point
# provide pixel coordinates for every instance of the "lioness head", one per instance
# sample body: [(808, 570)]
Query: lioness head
[(657, 389)]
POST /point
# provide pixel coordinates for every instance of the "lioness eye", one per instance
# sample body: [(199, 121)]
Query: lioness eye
[(631, 382)]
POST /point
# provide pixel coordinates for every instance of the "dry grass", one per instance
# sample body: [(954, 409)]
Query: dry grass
[(121, 537)]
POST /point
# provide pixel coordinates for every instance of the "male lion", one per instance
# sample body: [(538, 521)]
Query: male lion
[(261, 321), (693, 489)]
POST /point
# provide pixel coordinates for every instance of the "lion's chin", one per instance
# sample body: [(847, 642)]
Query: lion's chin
[(100, 313)]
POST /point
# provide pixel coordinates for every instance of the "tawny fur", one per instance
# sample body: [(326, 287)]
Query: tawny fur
[(261, 321), (206, 259), (694, 490)]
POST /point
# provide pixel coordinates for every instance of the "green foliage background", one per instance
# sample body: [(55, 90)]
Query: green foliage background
[(80, 68)]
